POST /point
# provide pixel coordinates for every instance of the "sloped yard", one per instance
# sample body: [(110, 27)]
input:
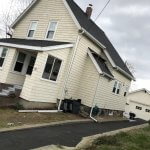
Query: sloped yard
[(11, 117), (133, 140)]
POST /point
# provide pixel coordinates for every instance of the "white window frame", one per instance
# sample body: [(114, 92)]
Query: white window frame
[(30, 29), (117, 87), (25, 65), (1, 47), (54, 31), (138, 108), (48, 80), (126, 91)]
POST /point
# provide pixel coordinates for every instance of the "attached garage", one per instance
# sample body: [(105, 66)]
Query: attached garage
[(138, 102)]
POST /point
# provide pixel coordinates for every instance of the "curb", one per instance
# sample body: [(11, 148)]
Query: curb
[(87, 141), (43, 125), (90, 139)]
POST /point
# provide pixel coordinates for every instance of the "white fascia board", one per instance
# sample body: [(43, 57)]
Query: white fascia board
[(23, 13), (72, 14), (109, 58), (94, 39), (139, 90), (139, 103), (105, 74), (94, 62), (125, 73), (36, 48)]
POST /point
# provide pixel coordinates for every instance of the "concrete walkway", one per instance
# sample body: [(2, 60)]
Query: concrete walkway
[(67, 134)]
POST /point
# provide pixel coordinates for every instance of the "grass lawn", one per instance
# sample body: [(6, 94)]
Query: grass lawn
[(18, 119), (133, 140)]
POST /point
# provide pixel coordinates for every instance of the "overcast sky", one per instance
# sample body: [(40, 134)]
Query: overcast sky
[(127, 24)]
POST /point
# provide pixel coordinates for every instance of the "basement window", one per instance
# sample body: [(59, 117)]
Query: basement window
[(32, 29), (139, 108), (117, 87), (51, 30), (20, 62), (52, 68), (3, 52)]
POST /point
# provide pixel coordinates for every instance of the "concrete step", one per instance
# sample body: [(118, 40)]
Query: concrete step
[(3, 94), (5, 91), (11, 89), (18, 87)]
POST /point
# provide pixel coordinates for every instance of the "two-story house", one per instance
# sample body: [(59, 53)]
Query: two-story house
[(58, 52)]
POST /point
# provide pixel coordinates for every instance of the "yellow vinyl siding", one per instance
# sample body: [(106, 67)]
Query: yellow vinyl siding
[(41, 90), (78, 66), (44, 12)]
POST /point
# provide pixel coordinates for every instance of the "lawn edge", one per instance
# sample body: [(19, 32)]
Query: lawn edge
[(2, 130), (90, 139)]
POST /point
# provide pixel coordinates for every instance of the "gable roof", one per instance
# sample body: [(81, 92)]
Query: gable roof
[(100, 64), (39, 45), (94, 31), (139, 90), (98, 34)]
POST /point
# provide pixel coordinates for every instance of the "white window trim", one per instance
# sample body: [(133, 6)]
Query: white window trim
[(118, 82), (30, 28), (48, 80), (126, 91), (24, 70), (1, 68), (54, 31)]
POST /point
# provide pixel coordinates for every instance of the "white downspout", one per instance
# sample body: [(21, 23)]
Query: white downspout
[(69, 70), (94, 98)]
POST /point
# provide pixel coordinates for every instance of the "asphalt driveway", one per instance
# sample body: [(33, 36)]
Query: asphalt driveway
[(67, 135)]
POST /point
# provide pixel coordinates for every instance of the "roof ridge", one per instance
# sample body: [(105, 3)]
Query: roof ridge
[(86, 15)]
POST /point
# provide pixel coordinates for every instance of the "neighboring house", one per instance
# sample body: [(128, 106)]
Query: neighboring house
[(58, 52), (138, 102)]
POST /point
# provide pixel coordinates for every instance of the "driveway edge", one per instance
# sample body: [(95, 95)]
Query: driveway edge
[(90, 139), (43, 125)]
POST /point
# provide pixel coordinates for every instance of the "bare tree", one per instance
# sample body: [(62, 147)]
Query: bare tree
[(16, 7)]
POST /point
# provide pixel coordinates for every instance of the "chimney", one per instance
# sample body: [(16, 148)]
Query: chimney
[(89, 10)]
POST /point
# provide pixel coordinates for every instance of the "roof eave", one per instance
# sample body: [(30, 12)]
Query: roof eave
[(36, 48), (23, 13), (125, 73)]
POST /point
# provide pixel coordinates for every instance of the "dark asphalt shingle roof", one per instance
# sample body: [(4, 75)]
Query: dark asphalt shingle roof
[(101, 63), (38, 43), (97, 33)]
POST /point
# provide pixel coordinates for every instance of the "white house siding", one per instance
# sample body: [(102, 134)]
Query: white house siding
[(140, 99), (40, 90), (78, 66), (106, 99), (88, 83), (44, 12), (7, 66)]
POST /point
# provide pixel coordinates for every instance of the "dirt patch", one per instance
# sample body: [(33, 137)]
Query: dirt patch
[(10, 117)]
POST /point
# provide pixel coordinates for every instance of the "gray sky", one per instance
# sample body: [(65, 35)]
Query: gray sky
[(127, 24)]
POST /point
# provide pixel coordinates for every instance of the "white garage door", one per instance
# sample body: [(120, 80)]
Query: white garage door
[(141, 111)]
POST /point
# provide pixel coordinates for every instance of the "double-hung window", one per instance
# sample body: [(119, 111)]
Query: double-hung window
[(3, 52), (31, 65), (32, 29), (117, 87), (52, 68), (20, 62), (126, 91), (51, 30)]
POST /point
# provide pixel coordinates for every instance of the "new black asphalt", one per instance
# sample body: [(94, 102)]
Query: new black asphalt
[(67, 134)]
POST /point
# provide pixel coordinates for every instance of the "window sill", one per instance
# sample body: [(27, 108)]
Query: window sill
[(115, 94), (50, 81), (17, 73)]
